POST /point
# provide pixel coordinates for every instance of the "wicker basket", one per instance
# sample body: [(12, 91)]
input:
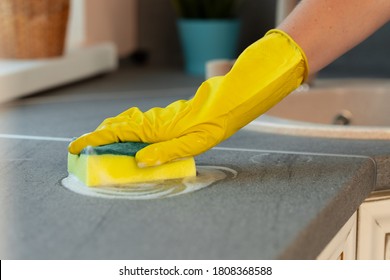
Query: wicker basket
[(33, 28)]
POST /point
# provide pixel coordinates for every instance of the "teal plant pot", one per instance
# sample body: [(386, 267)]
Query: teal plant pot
[(206, 39)]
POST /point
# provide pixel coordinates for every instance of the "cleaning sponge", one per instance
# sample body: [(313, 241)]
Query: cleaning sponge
[(115, 164)]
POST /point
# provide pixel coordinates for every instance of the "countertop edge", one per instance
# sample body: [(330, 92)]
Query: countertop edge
[(313, 239)]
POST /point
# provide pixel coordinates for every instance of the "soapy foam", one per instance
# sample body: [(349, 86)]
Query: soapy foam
[(206, 176)]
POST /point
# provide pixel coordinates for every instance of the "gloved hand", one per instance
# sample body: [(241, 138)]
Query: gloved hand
[(263, 75)]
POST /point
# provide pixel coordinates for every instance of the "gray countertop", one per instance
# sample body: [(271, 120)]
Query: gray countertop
[(290, 197)]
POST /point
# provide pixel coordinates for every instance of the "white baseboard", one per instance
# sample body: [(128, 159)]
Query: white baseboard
[(23, 77)]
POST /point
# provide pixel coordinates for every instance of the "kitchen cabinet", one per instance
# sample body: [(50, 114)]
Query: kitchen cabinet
[(366, 235), (374, 227), (343, 244)]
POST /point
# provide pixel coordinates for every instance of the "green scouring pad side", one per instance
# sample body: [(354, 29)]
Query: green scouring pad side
[(115, 164), (123, 149)]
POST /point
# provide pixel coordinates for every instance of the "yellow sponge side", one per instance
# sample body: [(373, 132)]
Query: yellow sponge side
[(108, 169)]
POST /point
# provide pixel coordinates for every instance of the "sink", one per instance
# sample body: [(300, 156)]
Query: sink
[(336, 108)]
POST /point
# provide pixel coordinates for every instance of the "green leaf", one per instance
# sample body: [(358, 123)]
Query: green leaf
[(206, 8)]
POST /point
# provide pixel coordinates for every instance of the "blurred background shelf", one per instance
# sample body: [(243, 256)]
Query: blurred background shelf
[(22, 77)]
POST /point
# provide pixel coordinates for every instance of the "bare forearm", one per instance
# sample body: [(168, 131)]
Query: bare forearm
[(326, 29)]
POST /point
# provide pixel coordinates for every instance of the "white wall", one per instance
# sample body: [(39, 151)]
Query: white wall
[(76, 24), (96, 21)]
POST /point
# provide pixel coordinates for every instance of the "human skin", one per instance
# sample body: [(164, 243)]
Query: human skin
[(326, 29)]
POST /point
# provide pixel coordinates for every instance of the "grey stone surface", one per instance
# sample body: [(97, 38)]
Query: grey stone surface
[(377, 150), (279, 206), (287, 201)]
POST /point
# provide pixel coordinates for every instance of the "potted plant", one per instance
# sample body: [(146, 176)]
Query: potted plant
[(208, 29)]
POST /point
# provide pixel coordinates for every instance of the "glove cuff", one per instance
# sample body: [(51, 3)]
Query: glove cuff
[(291, 40)]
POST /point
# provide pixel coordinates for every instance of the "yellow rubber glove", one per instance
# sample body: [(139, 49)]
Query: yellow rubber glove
[(263, 75)]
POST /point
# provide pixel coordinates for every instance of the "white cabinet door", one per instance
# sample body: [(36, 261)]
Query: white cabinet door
[(343, 245), (374, 228)]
